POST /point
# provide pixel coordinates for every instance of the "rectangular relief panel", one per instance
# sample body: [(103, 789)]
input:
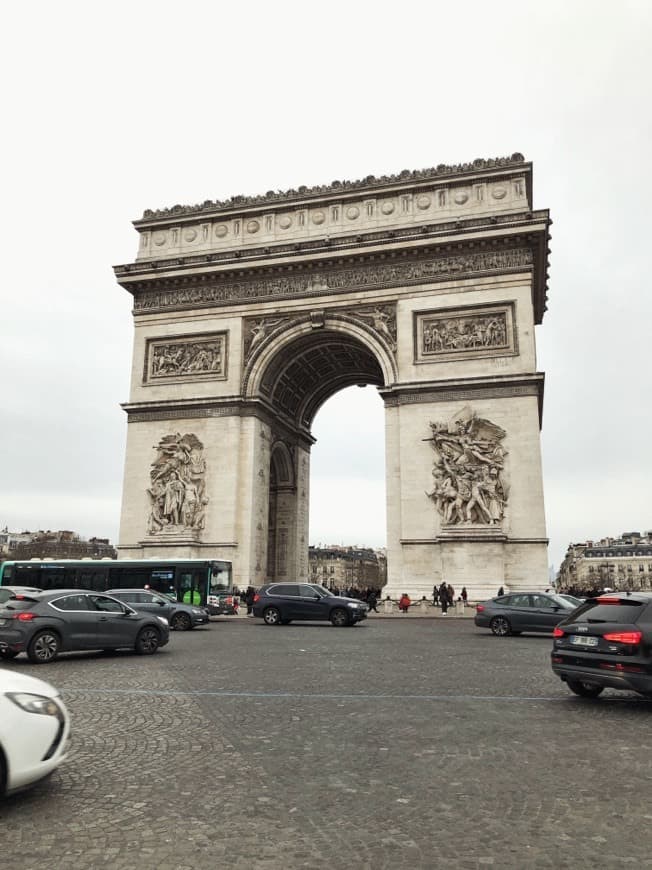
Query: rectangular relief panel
[(186, 358), (471, 332)]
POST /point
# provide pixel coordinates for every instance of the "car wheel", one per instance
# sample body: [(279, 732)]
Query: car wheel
[(7, 654), (43, 647), (3, 774), (340, 618), (272, 616), (148, 641), (585, 690), (181, 622), (500, 626)]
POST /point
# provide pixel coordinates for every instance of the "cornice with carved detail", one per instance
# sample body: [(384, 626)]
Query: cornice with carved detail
[(336, 187)]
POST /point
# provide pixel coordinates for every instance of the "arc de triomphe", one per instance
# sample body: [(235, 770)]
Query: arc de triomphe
[(249, 314)]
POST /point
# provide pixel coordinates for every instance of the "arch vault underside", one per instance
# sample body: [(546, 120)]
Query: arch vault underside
[(250, 314)]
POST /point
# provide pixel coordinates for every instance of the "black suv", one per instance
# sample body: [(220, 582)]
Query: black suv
[(280, 603), (606, 643)]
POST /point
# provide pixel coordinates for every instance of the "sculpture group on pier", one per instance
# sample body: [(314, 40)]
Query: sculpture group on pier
[(469, 472)]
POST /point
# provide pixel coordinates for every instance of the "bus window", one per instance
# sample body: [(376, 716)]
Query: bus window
[(95, 580), (129, 577), (162, 580), (189, 587), (220, 581)]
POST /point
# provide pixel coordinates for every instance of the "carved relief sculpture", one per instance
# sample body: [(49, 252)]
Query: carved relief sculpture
[(469, 485), (454, 333), (258, 329), (177, 491), (462, 333), (196, 356), (383, 320)]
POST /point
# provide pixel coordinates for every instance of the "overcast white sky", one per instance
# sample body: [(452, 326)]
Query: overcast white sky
[(111, 108)]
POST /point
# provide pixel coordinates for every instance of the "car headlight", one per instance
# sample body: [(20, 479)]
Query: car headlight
[(352, 604), (198, 612), (35, 704), (162, 619)]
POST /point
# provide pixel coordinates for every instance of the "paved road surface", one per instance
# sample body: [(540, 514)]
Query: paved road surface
[(414, 744)]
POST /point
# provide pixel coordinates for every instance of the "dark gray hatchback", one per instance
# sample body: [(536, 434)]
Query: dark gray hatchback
[(606, 643), (181, 617), (280, 603), (43, 624), (522, 611)]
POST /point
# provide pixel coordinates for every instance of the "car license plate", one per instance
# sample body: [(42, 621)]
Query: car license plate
[(582, 640)]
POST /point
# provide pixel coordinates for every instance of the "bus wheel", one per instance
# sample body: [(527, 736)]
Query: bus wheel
[(180, 622), (147, 642)]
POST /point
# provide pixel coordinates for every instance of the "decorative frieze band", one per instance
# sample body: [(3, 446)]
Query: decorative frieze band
[(372, 275)]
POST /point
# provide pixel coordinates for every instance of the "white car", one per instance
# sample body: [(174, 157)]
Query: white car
[(34, 730)]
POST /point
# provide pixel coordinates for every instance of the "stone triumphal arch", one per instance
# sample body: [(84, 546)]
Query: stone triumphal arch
[(250, 313)]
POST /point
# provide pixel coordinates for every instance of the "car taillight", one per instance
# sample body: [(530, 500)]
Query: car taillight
[(632, 637), (557, 632), (24, 617), (479, 608), (256, 597)]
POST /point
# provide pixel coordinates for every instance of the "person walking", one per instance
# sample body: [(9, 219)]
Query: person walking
[(404, 603), (443, 598), (451, 595), (501, 591), (250, 594), (372, 601), (435, 595), (464, 595)]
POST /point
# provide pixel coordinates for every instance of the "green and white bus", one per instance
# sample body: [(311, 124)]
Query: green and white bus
[(206, 582)]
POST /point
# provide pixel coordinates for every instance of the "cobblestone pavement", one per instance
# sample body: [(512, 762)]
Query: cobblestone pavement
[(426, 743)]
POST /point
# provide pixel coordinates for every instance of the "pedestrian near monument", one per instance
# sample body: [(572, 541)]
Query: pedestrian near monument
[(464, 595), (501, 591), (443, 598), (404, 603), (372, 601)]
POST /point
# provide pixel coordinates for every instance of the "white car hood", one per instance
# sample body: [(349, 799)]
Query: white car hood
[(10, 681)]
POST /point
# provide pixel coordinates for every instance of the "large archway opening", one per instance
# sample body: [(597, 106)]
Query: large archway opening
[(347, 471), (297, 381)]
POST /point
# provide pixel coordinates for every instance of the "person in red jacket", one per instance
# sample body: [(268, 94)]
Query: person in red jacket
[(404, 602)]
